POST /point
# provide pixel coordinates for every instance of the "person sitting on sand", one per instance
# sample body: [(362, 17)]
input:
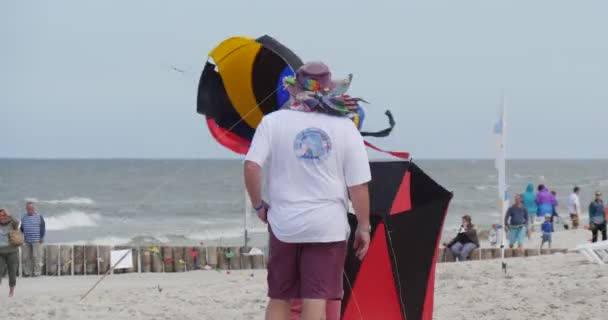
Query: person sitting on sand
[(9, 254), (465, 242), (597, 217), (517, 223), (546, 228)]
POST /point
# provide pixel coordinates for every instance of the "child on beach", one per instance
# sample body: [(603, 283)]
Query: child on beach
[(493, 236), (547, 229)]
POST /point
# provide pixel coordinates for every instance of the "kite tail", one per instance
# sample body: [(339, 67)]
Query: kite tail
[(385, 132)]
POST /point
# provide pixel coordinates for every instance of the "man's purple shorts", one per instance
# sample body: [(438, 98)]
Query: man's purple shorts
[(305, 270)]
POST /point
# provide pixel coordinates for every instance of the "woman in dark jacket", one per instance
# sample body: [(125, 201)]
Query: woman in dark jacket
[(8, 254), (466, 241)]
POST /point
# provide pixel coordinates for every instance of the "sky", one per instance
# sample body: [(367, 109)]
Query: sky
[(93, 79)]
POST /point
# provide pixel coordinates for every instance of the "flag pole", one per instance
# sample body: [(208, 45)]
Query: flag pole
[(500, 164)]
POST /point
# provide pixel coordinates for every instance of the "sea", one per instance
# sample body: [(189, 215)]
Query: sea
[(190, 202)]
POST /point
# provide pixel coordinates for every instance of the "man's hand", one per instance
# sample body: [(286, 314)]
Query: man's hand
[(263, 213), (362, 238), (41, 241)]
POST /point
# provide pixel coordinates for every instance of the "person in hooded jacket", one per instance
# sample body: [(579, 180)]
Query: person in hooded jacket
[(529, 200), (545, 202)]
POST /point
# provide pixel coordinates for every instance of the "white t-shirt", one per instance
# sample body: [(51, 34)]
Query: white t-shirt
[(309, 160), (573, 201)]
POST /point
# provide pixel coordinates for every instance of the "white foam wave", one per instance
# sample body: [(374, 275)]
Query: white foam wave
[(72, 219), (109, 241), (72, 200), (217, 234), (485, 187)]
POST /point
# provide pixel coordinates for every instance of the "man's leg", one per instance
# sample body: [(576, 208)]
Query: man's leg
[(594, 231), (27, 260), (511, 237), (521, 238), (277, 310), (313, 309), (283, 277), (574, 218), (333, 309), (603, 229), (37, 258), (321, 269)]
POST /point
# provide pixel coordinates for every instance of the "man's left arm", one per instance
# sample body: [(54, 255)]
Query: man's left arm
[(42, 229)]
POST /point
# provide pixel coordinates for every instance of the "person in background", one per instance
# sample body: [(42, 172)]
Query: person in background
[(493, 236), (529, 200), (34, 229), (9, 255), (597, 217), (545, 203), (517, 223), (466, 241), (546, 228), (554, 214), (574, 207)]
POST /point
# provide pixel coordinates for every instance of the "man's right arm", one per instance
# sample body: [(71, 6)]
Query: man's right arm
[(357, 174), (360, 198), (359, 195)]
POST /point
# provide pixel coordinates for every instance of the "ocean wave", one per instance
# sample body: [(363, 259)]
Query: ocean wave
[(72, 219), (107, 241), (72, 200), (485, 187)]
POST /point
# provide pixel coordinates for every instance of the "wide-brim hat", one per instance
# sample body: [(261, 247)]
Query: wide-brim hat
[(315, 78)]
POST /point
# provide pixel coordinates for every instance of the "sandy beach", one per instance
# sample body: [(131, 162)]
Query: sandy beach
[(561, 286)]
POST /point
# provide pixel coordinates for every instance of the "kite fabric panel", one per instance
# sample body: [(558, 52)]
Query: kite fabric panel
[(241, 84), (396, 279)]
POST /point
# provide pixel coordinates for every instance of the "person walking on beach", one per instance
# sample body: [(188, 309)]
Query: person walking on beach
[(574, 207), (34, 229), (554, 213), (313, 158), (597, 217), (529, 200), (517, 223), (465, 242), (9, 254)]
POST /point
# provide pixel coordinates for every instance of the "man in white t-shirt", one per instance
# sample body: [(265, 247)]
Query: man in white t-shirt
[(574, 207), (312, 162)]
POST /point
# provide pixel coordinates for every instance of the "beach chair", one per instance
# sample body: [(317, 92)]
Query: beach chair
[(594, 252)]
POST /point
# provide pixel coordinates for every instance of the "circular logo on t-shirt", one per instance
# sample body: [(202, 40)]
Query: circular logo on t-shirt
[(312, 144)]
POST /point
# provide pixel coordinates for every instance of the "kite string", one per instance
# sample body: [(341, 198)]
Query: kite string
[(248, 113), (394, 258), (352, 292)]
